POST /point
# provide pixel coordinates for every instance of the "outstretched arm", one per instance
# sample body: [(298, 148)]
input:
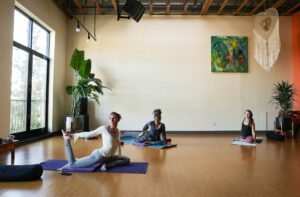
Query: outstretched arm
[(164, 135), (253, 132), (89, 134), (145, 129)]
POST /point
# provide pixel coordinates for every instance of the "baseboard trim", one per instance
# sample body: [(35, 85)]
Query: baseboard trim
[(200, 132)]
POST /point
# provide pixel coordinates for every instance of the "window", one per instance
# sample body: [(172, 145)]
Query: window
[(29, 79)]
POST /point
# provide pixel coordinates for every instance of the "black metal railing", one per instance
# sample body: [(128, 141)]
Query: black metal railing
[(18, 111)]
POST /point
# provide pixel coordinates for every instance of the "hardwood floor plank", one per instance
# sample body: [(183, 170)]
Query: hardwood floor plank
[(201, 165)]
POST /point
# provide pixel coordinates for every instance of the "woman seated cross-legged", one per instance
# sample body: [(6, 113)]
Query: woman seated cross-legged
[(157, 128), (248, 128), (109, 154)]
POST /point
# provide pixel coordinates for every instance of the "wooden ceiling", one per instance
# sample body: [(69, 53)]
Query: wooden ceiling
[(182, 7)]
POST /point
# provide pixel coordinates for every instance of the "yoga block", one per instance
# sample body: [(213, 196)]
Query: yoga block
[(20, 172)]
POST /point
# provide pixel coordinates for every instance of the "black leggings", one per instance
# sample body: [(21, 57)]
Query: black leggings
[(145, 138)]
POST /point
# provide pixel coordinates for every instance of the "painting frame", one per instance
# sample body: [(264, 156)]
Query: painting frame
[(229, 54)]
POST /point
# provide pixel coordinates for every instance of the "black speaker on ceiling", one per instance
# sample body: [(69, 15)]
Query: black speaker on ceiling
[(135, 9)]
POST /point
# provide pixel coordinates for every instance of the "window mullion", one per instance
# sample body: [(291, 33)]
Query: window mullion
[(29, 86)]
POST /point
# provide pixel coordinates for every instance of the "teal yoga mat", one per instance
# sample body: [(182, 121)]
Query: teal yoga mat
[(127, 139), (243, 143)]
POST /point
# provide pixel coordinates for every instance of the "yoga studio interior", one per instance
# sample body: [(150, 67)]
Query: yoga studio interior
[(182, 98)]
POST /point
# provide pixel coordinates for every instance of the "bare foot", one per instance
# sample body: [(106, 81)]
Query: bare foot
[(65, 135), (103, 167)]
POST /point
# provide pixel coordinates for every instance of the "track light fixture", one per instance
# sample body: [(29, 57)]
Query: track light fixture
[(78, 27), (82, 26), (89, 38)]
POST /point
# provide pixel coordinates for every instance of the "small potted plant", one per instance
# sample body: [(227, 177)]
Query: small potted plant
[(86, 86), (283, 98)]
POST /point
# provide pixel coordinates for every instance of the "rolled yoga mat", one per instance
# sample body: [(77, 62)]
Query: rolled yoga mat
[(61, 165), (20, 172), (275, 136)]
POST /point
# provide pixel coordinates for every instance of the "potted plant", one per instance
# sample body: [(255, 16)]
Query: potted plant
[(283, 98), (86, 86)]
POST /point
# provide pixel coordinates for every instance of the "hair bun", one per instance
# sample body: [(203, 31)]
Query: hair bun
[(157, 111)]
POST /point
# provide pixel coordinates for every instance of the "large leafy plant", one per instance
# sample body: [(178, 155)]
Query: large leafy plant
[(283, 97), (86, 85)]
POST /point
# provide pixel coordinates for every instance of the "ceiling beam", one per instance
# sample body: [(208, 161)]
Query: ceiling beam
[(79, 6), (222, 7), (257, 7), (278, 3), (98, 7), (290, 10), (186, 7), (241, 7), (205, 7), (168, 9), (115, 6), (151, 9)]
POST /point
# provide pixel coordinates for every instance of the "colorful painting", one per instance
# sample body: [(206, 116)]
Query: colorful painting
[(229, 54)]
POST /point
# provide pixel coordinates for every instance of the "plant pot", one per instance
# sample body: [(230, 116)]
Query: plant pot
[(285, 123), (75, 122), (84, 106)]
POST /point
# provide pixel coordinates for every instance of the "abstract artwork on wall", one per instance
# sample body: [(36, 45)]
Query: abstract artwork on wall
[(229, 54)]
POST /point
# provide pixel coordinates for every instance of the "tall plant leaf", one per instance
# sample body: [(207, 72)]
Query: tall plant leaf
[(69, 90), (77, 59), (85, 68), (283, 96), (86, 86)]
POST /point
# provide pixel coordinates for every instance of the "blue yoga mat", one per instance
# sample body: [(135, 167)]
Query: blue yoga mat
[(127, 139), (133, 167), (258, 139), (130, 140)]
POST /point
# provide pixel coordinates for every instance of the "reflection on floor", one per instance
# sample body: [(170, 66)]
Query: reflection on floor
[(200, 165)]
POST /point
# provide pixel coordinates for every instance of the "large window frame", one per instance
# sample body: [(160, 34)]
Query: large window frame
[(29, 133)]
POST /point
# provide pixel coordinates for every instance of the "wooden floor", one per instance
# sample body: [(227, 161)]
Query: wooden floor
[(201, 165)]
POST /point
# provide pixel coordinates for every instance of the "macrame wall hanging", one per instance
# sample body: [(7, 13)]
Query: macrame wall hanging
[(266, 38)]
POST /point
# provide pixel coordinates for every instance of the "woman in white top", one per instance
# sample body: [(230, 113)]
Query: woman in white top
[(109, 154)]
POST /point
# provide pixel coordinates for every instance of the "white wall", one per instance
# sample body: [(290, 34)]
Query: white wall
[(6, 39), (49, 15), (164, 61)]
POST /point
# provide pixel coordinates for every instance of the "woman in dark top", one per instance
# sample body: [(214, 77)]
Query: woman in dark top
[(156, 127), (248, 128)]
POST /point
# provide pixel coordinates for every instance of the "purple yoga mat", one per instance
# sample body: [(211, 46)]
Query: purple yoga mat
[(133, 167), (58, 164)]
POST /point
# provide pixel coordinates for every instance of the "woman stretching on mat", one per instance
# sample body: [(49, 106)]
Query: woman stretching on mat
[(248, 128), (109, 154), (153, 135)]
